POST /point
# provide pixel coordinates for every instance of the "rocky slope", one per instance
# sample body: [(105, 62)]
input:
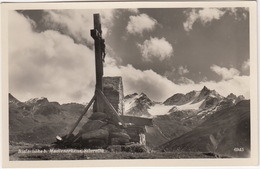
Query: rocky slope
[(227, 132), (137, 105), (40, 121)]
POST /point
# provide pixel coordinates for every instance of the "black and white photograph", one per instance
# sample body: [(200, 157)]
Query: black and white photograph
[(131, 82)]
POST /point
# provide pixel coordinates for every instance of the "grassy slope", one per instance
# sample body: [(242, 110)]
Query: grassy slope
[(154, 137)]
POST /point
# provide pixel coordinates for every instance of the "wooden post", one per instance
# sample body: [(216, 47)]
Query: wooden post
[(96, 34), (99, 97), (81, 116), (114, 112)]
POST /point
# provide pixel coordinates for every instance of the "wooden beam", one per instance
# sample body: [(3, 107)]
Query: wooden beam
[(96, 34), (114, 112), (81, 116)]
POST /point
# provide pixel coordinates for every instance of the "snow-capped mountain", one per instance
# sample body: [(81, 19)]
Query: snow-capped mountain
[(203, 103), (137, 105), (180, 99), (195, 100)]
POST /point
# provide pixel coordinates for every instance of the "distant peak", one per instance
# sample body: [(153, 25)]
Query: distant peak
[(241, 97), (143, 94), (205, 88), (10, 95), (130, 95), (38, 100), (13, 99), (231, 95)]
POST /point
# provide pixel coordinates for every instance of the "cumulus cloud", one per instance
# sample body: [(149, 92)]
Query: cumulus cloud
[(140, 23), (239, 85), (159, 88), (225, 73), (204, 15), (146, 81), (77, 23), (51, 64), (156, 48), (48, 64)]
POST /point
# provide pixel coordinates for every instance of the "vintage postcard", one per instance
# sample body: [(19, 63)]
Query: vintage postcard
[(129, 84)]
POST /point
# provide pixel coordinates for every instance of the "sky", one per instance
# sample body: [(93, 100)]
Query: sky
[(159, 52)]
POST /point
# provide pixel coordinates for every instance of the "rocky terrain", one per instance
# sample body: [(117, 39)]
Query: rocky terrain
[(227, 132), (40, 121)]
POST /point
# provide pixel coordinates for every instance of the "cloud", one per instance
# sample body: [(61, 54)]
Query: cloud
[(184, 80), (225, 73), (159, 88), (239, 85), (239, 13), (147, 81), (77, 23), (183, 70), (48, 64), (177, 75), (246, 66), (140, 23), (204, 15), (175, 72), (156, 48), (52, 65)]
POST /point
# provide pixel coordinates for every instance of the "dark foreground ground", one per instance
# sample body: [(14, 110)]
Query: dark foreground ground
[(27, 153)]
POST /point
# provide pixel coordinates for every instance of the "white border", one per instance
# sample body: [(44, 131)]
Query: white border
[(153, 162)]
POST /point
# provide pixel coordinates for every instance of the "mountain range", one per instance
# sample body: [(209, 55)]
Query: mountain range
[(40, 121), (200, 102), (201, 121)]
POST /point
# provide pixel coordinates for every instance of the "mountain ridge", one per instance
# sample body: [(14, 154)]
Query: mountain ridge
[(40, 121), (205, 99)]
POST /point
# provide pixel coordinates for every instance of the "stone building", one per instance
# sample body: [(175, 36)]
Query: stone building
[(113, 90)]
